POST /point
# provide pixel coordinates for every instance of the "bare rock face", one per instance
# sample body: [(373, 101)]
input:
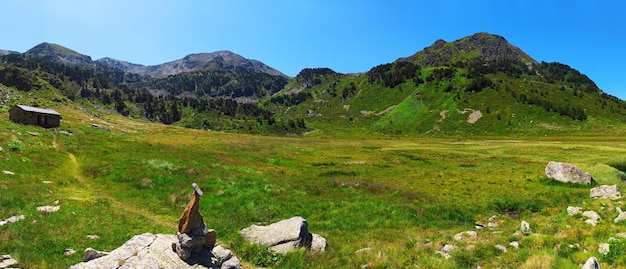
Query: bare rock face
[(284, 236), (568, 173)]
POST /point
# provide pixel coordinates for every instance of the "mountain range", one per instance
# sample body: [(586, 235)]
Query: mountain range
[(479, 84)]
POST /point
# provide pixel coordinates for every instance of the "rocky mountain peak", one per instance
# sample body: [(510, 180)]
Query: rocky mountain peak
[(488, 47), (59, 53)]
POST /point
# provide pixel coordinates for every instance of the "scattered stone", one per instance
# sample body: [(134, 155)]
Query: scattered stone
[(367, 249), (69, 252), (622, 235), (573, 210), (232, 263), (6, 261), (283, 236), (606, 191), (525, 228), (93, 236), (447, 248), (604, 248), (591, 215), (221, 255), (592, 263), (492, 218), (66, 133), (91, 254), (501, 248), (48, 208), (318, 245), (7, 172), (12, 219), (32, 133), (567, 173), (621, 216), (492, 224), (591, 222), (514, 244), (47, 182), (467, 235)]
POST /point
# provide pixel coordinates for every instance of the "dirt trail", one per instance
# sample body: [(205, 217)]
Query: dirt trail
[(85, 191)]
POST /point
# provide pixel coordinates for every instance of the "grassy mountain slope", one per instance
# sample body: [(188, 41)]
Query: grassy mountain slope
[(476, 85)]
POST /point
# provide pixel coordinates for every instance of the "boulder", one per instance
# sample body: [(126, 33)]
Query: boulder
[(605, 191), (282, 237), (573, 210), (6, 261), (567, 173), (591, 215), (592, 263), (467, 235), (147, 251)]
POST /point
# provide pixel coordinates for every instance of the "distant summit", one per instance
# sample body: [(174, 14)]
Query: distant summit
[(225, 61), (58, 53), (6, 52), (484, 46)]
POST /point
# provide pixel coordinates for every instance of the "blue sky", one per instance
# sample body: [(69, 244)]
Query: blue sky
[(345, 35)]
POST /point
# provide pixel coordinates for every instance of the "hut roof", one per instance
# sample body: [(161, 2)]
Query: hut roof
[(38, 110)]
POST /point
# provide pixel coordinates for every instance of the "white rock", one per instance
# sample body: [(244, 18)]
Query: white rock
[(604, 248), (492, 224), (69, 252), (591, 222), (591, 215), (48, 208), (605, 191), (573, 210), (318, 244), (467, 235), (621, 216), (447, 248), (232, 263), (7, 172), (525, 228), (93, 236), (501, 248), (492, 218), (592, 263), (221, 254), (6, 261), (567, 173), (514, 244)]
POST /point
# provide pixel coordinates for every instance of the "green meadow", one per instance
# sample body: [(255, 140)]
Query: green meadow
[(383, 202)]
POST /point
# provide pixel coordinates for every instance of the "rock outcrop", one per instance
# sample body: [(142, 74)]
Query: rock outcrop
[(191, 247), (6, 261), (285, 236), (568, 173), (606, 191)]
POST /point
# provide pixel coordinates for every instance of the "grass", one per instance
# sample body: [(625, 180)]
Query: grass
[(386, 194)]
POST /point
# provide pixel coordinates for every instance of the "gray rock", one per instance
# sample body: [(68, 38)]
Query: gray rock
[(48, 208), (501, 248), (621, 216), (605, 191), (7, 261), (7, 172), (573, 210), (286, 233), (592, 263), (91, 254), (221, 254), (604, 248), (232, 263), (525, 228), (318, 244), (12, 219), (147, 251), (592, 222), (567, 173), (467, 235), (514, 244), (591, 215)]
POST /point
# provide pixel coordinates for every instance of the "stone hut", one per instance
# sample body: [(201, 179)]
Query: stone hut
[(35, 116)]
